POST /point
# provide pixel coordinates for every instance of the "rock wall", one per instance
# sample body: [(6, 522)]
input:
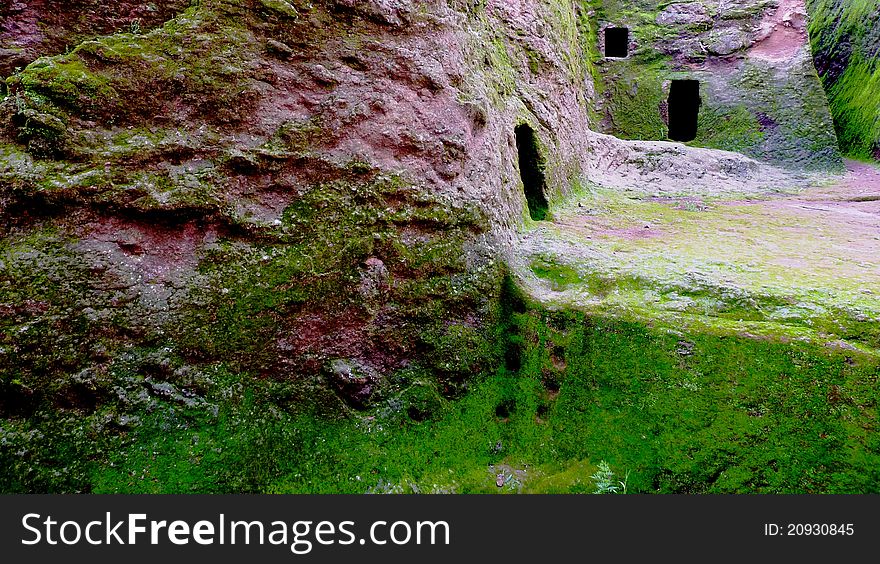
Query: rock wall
[(846, 46), (759, 90), (32, 28), (315, 193)]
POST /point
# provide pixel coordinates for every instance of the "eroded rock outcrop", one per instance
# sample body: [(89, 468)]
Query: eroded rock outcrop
[(225, 187), (32, 28)]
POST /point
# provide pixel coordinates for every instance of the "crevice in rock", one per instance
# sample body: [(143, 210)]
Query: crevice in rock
[(531, 169)]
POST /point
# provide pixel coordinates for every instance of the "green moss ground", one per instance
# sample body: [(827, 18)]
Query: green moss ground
[(676, 412), (757, 266)]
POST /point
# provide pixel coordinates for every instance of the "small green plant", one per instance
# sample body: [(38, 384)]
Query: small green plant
[(20, 103), (606, 480), (135, 27)]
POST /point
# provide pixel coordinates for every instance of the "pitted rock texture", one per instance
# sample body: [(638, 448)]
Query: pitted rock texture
[(33, 28), (276, 186)]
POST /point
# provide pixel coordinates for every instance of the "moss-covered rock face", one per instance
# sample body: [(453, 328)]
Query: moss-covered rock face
[(313, 199), (29, 30), (759, 92), (846, 47)]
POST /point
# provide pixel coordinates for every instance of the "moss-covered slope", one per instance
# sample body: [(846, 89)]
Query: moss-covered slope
[(845, 35)]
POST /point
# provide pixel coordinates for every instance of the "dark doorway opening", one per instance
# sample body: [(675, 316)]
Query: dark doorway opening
[(684, 107), (531, 170), (616, 42)]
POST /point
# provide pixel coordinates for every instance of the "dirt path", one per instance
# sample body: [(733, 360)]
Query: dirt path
[(845, 213), (860, 187)]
